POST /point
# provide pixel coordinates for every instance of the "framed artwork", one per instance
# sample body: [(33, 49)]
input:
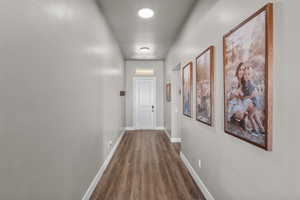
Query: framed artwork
[(187, 84), (247, 60), (204, 86), (168, 92)]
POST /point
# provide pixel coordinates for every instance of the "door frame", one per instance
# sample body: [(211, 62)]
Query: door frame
[(135, 96), (176, 106)]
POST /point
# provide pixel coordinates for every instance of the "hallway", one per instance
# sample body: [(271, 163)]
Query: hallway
[(146, 166), (149, 100)]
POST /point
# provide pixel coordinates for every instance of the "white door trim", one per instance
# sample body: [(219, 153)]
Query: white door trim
[(134, 99)]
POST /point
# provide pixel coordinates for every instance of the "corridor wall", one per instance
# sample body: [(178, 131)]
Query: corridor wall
[(61, 73), (233, 169), (158, 72)]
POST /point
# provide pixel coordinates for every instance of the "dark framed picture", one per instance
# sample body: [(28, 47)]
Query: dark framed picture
[(168, 92), (187, 84), (247, 60), (204, 86)]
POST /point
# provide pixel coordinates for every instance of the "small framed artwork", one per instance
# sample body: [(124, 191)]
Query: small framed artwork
[(168, 92), (247, 60), (204, 86), (187, 84)]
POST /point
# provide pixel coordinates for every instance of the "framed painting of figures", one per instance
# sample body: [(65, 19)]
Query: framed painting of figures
[(168, 92), (187, 84), (247, 61), (204, 86)]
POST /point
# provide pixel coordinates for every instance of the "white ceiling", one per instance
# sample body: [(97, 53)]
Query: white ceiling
[(133, 32)]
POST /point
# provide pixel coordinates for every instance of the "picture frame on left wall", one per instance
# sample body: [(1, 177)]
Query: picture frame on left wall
[(168, 92), (187, 89)]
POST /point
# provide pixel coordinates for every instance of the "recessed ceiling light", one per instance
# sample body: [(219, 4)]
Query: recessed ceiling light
[(144, 49), (146, 13)]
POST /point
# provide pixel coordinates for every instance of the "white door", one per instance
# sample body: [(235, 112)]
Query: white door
[(144, 102)]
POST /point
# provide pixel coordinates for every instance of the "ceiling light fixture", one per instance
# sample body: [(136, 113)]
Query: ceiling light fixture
[(144, 49), (146, 13), (144, 71)]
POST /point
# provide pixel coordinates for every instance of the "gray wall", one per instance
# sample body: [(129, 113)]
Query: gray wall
[(172, 113), (60, 76), (167, 108), (158, 66), (233, 169)]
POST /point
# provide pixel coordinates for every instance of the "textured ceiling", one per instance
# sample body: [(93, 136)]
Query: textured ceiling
[(133, 32)]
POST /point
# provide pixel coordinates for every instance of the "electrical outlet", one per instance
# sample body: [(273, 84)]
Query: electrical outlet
[(199, 163)]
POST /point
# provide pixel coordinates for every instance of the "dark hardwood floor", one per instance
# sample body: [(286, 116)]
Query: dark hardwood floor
[(146, 166)]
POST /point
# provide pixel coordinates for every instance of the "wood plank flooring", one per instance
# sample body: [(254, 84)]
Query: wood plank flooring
[(177, 147), (146, 166)]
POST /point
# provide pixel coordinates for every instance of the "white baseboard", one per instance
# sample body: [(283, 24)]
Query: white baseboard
[(175, 140), (128, 128), (132, 128), (172, 139), (160, 128), (168, 134), (99, 174), (196, 178)]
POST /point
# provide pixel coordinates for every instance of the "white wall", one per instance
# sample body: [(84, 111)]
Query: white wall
[(158, 66), (60, 76), (233, 169)]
